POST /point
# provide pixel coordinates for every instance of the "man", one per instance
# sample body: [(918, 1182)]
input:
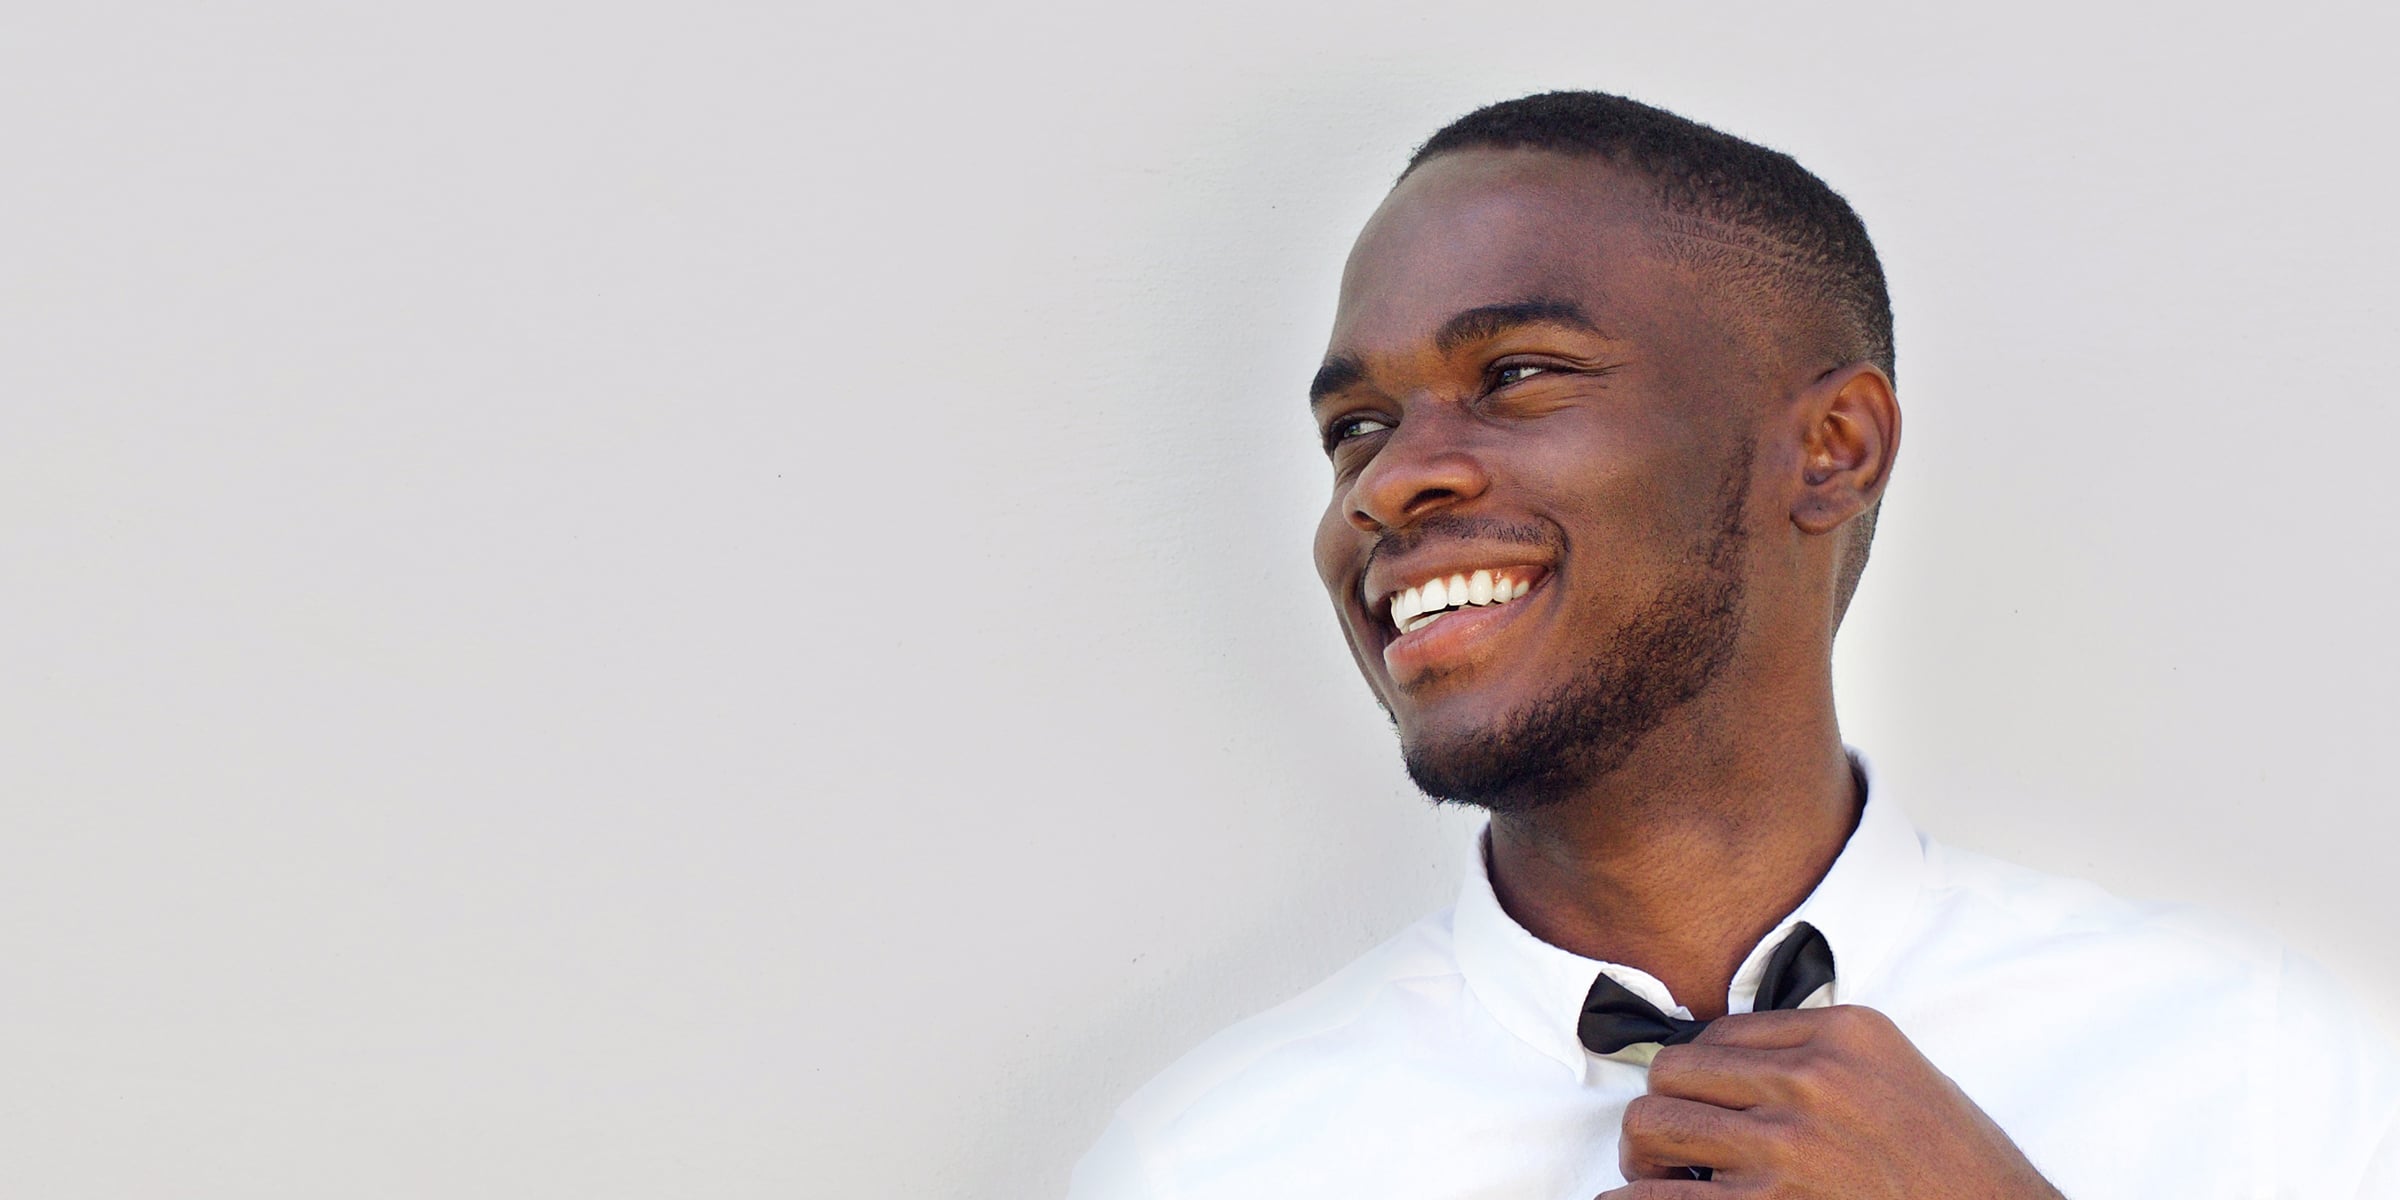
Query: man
[(1609, 406)]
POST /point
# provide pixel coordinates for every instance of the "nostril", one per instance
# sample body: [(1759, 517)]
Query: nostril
[(1415, 505), (1429, 499)]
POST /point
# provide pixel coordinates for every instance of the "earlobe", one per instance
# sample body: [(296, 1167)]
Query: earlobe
[(1850, 435)]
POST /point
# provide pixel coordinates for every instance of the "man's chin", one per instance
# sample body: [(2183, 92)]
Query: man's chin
[(1490, 772), (1539, 756)]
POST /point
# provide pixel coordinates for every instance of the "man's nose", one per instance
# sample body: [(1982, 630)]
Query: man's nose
[(1426, 463)]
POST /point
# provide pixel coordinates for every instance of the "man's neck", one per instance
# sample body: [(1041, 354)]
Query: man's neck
[(1681, 861)]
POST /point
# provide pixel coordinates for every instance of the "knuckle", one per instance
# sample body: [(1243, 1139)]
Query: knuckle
[(1669, 1065), (1858, 1021), (1654, 1123), (1812, 1076), (1645, 1118)]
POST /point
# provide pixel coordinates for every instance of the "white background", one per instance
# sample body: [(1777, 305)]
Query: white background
[(712, 600)]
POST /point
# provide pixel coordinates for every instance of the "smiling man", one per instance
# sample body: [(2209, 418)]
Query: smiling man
[(1609, 407)]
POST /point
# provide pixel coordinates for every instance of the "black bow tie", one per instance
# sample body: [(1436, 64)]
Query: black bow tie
[(1614, 1018)]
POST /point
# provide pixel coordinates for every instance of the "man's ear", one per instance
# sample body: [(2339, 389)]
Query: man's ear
[(1849, 433)]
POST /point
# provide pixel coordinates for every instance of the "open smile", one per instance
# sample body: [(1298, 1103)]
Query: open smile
[(1416, 607), (1436, 622)]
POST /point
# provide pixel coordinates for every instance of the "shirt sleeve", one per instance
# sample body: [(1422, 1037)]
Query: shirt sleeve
[(2338, 1101), (1116, 1168), (2383, 1170)]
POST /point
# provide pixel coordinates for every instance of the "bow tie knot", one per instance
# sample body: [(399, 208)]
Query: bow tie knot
[(1614, 1018)]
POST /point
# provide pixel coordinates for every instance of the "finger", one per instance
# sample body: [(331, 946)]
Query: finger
[(1726, 1076), (1777, 1030), (1839, 1026), (1663, 1135), (1665, 1189)]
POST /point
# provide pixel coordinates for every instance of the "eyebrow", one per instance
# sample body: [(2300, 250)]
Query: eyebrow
[(1476, 324), (1462, 329), (1339, 371)]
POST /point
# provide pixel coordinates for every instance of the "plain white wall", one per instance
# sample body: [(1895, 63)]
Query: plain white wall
[(712, 599)]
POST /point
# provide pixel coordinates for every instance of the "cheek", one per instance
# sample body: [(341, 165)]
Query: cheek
[(1641, 480), (1334, 548)]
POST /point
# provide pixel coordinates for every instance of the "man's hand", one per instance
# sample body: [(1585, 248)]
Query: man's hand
[(1825, 1102)]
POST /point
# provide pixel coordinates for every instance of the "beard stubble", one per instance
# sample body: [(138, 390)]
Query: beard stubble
[(1660, 659)]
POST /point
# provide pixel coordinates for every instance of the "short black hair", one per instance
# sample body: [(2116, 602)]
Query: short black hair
[(1751, 216)]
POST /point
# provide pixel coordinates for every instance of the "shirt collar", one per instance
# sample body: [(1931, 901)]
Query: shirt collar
[(1536, 990)]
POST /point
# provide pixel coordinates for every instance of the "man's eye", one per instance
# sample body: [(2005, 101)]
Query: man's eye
[(1345, 428), (1515, 373)]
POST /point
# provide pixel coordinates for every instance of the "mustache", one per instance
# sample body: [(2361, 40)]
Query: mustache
[(1454, 527)]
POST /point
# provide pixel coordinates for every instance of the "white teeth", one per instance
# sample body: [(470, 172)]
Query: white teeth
[(1417, 607)]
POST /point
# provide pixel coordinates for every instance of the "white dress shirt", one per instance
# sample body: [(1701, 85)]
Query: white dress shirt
[(2130, 1050)]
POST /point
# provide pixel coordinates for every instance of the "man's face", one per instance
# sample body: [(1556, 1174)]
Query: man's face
[(1522, 397)]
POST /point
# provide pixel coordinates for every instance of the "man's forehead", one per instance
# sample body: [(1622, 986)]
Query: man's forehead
[(1477, 228)]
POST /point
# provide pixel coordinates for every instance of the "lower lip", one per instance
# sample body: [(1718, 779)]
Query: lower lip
[(1450, 642)]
